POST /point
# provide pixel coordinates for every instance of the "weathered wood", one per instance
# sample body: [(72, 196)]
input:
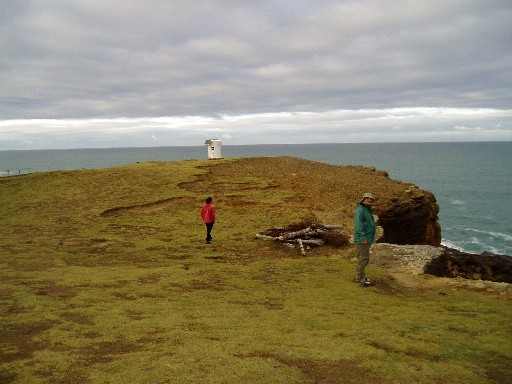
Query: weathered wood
[(318, 232), (302, 251), (308, 241), (313, 241), (294, 235), (265, 237), (316, 235)]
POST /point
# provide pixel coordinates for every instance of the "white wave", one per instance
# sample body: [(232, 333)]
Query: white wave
[(465, 246), (476, 241), (504, 236), (452, 245), (458, 202)]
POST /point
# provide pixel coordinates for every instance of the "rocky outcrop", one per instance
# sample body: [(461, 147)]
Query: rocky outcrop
[(442, 262), (485, 266), (412, 259), (410, 219)]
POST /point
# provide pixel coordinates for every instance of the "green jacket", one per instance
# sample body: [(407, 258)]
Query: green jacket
[(364, 224)]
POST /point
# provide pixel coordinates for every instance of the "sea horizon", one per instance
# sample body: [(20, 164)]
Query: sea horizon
[(257, 144)]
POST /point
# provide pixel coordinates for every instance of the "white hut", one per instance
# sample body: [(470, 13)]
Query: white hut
[(214, 148)]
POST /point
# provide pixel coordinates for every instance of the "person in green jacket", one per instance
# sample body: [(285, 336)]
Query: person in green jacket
[(364, 235)]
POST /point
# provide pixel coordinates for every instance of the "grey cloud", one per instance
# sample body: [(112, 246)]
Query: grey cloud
[(95, 59)]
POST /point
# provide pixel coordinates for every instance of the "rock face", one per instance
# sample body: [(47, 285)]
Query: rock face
[(411, 220), (486, 266)]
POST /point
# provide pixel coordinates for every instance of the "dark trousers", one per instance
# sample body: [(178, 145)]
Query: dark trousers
[(209, 227), (363, 258)]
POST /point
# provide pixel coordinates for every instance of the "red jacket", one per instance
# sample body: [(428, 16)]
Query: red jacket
[(208, 213)]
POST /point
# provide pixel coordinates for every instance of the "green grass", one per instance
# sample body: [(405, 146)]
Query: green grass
[(104, 278)]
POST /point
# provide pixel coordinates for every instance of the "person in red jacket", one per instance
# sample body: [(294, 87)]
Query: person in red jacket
[(208, 216)]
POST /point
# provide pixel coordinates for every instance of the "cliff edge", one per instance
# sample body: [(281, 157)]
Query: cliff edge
[(407, 213)]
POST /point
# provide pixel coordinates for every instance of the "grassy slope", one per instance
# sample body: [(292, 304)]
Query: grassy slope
[(104, 278)]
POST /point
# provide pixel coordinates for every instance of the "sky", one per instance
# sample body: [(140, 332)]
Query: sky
[(138, 73)]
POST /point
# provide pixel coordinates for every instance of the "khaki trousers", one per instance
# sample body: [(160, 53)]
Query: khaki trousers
[(363, 258)]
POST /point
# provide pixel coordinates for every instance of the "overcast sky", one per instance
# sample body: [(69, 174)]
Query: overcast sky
[(117, 73)]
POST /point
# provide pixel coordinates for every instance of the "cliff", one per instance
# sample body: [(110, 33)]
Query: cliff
[(407, 213), (410, 218)]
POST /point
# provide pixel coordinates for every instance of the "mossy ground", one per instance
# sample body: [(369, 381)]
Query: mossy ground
[(105, 278)]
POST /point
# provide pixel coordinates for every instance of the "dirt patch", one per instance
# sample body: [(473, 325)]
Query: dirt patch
[(7, 377), (71, 376), (326, 372), (150, 279), (217, 259), (18, 340), (156, 206), (408, 352), (54, 290), (497, 374), (107, 351)]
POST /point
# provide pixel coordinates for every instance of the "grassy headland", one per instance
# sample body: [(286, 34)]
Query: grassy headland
[(105, 278)]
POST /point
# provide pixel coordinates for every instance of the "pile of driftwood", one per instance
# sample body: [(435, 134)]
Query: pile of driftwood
[(317, 234)]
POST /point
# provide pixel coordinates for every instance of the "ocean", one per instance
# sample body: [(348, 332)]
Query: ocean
[(471, 180)]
